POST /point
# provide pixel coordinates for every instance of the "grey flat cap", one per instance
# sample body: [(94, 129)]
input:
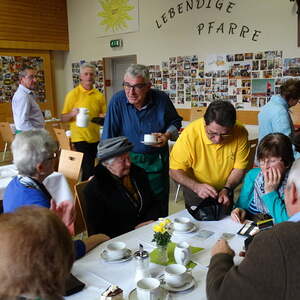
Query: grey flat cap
[(113, 147)]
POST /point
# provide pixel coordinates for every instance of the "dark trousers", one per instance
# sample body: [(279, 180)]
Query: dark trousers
[(89, 151)]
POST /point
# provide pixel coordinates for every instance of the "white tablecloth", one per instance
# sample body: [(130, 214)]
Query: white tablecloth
[(98, 275), (55, 183)]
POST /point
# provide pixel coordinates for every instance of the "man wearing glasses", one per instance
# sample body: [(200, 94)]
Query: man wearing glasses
[(210, 156), (26, 112), (138, 110)]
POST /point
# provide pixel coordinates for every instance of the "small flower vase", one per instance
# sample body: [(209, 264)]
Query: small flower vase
[(162, 254)]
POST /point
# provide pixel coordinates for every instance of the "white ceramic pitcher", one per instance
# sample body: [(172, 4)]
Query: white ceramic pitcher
[(182, 253), (82, 118)]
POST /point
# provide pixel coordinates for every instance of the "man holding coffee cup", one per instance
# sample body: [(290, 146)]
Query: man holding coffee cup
[(137, 111), (85, 139), (209, 159)]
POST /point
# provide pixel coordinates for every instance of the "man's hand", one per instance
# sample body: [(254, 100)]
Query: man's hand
[(223, 197), (65, 210), (272, 179), (238, 215), (162, 139), (204, 190), (221, 246)]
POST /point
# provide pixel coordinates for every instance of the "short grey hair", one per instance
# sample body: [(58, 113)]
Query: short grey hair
[(24, 70), (87, 65), (30, 148), (294, 176), (136, 70)]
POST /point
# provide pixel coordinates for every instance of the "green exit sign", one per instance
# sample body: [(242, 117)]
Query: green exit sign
[(116, 43)]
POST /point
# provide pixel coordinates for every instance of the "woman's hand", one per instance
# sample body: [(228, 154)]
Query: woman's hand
[(238, 215), (272, 177)]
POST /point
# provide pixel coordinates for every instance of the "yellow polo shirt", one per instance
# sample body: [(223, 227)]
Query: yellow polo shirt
[(94, 101), (206, 162)]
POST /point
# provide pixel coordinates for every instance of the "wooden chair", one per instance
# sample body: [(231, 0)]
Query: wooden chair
[(49, 126), (6, 135), (70, 164), (80, 208), (61, 137), (253, 145)]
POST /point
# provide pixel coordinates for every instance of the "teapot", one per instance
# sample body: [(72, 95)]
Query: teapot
[(182, 253)]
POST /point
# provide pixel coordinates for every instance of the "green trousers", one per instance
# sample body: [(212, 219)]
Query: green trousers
[(156, 166)]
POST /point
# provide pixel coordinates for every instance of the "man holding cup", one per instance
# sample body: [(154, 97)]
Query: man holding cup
[(85, 139), (137, 111)]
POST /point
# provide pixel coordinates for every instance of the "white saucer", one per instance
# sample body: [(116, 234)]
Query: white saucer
[(192, 229), (133, 294), (185, 287), (107, 259)]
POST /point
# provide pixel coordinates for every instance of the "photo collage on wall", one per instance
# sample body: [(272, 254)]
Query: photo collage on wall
[(99, 79), (248, 80), (10, 66)]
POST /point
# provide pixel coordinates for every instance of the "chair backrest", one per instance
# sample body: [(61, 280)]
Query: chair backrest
[(49, 126), (80, 208), (6, 132), (70, 164), (253, 145), (63, 140)]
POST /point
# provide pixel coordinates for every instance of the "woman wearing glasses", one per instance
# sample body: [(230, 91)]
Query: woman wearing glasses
[(263, 188)]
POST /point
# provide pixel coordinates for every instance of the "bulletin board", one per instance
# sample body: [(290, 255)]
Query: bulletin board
[(11, 62)]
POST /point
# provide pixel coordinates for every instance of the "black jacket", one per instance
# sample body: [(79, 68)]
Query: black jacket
[(110, 208)]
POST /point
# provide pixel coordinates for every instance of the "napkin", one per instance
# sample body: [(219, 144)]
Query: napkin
[(171, 247)]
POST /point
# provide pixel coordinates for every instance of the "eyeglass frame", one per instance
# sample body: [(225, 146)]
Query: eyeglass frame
[(214, 134), (135, 87)]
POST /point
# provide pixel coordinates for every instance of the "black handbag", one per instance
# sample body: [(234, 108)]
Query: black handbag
[(208, 210), (73, 285)]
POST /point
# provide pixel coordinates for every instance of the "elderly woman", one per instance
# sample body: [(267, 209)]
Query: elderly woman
[(36, 255), (34, 154), (263, 188), (119, 197)]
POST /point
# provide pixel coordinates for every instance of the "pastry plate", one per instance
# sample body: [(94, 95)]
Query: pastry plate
[(133, 294), (107, 259), (192, 229), (183, 288), (149, 143)]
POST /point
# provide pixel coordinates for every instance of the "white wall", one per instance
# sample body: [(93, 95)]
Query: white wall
[(276, 19)]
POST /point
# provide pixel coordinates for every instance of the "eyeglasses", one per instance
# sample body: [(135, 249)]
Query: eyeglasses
[(136, 87), (269, 162), (214, 134)]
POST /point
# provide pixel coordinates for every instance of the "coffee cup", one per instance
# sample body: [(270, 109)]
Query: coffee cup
[(116, 250), (182, 224), (150, 138), (176, 275), (148, 289)]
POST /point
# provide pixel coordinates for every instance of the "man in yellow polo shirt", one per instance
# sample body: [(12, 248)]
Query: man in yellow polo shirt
[(85, 139), (210, 156)]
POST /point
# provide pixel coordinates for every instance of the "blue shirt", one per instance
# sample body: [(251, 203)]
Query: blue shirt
[(17, 195), (275, 117), (123, 119), (26, 112)]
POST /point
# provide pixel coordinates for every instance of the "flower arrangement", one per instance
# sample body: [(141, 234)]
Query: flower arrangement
[(162, 232)]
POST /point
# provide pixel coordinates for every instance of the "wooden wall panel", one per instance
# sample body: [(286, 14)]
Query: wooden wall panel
[(247, 116), (34, 24), (296, 114), (185, 113)]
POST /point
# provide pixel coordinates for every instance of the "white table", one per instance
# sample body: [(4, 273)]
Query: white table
[(98, 275), (56, 183)]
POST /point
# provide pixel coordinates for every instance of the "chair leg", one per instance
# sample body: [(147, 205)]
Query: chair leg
[(4, 152), (177, 192)]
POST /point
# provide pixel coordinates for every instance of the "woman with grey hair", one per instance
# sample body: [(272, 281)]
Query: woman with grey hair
[(119, 197), (33, 154)]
